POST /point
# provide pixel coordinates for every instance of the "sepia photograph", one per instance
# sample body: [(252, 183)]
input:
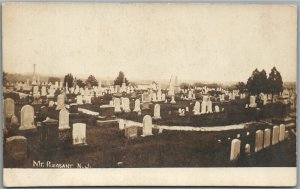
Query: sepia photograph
[(187, 90)]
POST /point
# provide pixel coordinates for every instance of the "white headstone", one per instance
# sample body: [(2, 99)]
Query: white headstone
[(258, 140), (43, 91), (235, 149), (117, 105), (173, 100), (217, 109), (9, 107), (247, 149), (79, 133), (252, 102), (79, 99), (126, 105), (60, 102), (27, 118), (137, 105), (197, 108), (281, 132), (203, 107), (163, 97), (147, 125), (64, 119), (267, 138), (209, 107), (156, 111), (121, 124), (275, 135)]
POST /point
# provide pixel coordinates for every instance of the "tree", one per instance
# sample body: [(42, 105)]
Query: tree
[(275, 84), (69, 80), (120, 79), (241, 86), (91, 81), (184, 85), (4, 81), (80, 83), (53, 79), (257, 82)]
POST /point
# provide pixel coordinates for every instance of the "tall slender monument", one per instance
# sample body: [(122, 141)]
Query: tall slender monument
[(34, 76)]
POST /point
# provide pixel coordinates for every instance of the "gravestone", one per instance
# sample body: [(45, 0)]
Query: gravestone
[(163, 97), (247, 149), (9, 107), (64, 119), (209, 107), (121, 124), (281, 132), (252, 102), (156, 111), (51, 104), (50, 133), (190, 95), (147, 125), (117, 104), (275, 135), (107, 110), (159, 96), (79, 134), (154, 99), (173, 100), (197, 108), (131, 132), (60, 102), (43, 91), (27, 119), (16, 148), (35, 89), (87, 99), (79, 99), (146, 97), (126, 105), (267, 138), (203, 107), (235, 149), (182, 112), (286, 136), (258, 140), (217, 109), (137, 105)]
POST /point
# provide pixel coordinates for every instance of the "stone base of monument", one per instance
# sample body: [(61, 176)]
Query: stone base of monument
[(156, 117), (16, 148), (148, 134), (285, 120), (131, 132), (65, 136), (112, 122), (28, 131)]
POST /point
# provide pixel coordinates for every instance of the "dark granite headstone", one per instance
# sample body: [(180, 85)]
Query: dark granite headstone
[(50, 133), (131, 132), (16, 148), (107, 111)]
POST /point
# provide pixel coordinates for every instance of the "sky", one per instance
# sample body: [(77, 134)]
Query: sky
[(207, 42)]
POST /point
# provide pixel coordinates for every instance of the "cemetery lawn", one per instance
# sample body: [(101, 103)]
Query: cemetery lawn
[(108, 147)]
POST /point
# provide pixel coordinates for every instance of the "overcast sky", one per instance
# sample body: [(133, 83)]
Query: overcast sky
[(196, 42)]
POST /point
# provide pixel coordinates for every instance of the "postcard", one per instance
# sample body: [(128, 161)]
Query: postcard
[(149, 94)]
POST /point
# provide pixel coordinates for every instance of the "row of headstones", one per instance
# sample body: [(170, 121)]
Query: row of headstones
[(262, 140), (131, 131), (206, 107), (16, 146), (27, 114)]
